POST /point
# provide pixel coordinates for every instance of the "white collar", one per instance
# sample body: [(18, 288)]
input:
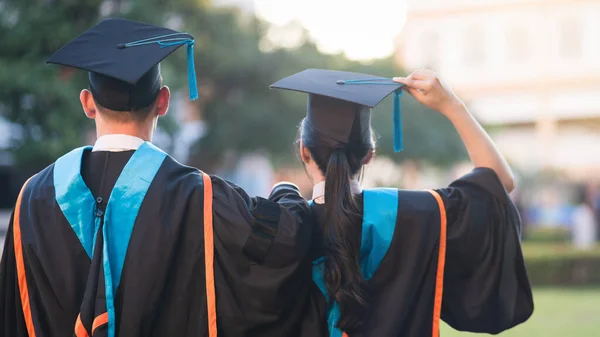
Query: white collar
[(319, 189), (117, 143)]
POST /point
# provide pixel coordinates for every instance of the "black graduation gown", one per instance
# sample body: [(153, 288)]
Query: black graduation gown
[(53, 277), (478, 280)]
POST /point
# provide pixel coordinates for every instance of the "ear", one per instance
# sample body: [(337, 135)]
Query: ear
[(368, 158), (88, 104), (305, 154), (162, 101)]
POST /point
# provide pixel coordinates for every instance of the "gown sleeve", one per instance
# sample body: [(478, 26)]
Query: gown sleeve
[(276, 229), (12, 323), (486, 288), (285, 195), (262, 262)]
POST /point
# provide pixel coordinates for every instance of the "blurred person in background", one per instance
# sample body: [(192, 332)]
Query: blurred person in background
[(121, 239), (583, 219), (391, 262), (254, 173), (596, 201)]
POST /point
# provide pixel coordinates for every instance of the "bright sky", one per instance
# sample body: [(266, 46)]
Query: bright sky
[(363, 29)]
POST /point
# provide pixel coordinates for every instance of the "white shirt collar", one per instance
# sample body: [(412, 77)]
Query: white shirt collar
[(117, 143), (319, 189)]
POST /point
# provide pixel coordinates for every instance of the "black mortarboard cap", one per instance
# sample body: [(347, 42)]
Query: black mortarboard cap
[(122, 58), (337, 100)]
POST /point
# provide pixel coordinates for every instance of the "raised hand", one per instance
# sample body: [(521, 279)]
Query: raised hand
[(429, 89)]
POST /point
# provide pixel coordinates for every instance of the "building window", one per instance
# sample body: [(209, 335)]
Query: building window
[(518, 45), (474, 53), (430, 50), (570, 39)]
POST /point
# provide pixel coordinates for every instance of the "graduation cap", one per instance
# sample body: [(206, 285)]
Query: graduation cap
[(122, 58), (339, 99)]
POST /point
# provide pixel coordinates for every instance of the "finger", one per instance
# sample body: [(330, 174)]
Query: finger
[(416, 84), (415, 75), (416, 93)]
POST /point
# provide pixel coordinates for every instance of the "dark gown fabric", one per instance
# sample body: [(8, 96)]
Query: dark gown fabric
[(485, 284), (261, 260)]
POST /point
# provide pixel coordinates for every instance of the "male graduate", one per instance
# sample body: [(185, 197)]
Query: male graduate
[(119, 239)]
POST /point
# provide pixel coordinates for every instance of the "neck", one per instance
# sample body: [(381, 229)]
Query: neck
[(316, 177), (142, 131)]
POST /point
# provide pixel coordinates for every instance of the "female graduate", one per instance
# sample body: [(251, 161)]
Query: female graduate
[(393, 262)]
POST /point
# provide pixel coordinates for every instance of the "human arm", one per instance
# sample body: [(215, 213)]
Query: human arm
[(429, 89)]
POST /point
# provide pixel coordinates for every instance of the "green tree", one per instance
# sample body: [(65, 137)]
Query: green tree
[(240, 110), (43, 100), (244, 115)]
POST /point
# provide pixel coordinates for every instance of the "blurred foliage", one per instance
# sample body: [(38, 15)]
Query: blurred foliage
[(564, 271), (234, 75), (556, 264), (43, 100)]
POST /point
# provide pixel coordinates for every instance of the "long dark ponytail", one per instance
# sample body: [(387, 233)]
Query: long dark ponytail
[(344, 280)]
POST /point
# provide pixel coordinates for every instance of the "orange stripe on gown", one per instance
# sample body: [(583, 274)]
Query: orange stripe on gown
[(80, 330), (439, 282), (209, 256), (23, 290), (99, 321)]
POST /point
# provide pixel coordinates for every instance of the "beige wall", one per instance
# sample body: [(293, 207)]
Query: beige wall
[(518, 62), (513, 51)]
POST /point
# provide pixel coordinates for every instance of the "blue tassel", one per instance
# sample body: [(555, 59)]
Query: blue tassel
[(163, 42), (193, 86), (397, 122)]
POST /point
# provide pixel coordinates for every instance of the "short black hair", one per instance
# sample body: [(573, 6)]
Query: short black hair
[(138, 115)]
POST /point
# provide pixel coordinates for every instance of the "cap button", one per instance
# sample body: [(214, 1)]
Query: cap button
[(99, 213)]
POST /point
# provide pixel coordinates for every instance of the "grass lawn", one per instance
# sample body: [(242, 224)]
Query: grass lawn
[(558, 313)]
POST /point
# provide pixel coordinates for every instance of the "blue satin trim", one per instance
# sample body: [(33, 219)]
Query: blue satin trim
[(74, 198), (333, 315), (379, 223), (121, 212)]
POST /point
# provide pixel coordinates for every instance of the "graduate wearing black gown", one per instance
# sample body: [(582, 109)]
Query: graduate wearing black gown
[(122, 240), (393, 262)]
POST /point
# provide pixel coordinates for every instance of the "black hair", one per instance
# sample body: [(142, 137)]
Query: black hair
[(137, 101), (137, 115), (340, 163)]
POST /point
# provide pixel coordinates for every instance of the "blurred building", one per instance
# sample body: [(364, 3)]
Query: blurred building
[(529, 70)]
